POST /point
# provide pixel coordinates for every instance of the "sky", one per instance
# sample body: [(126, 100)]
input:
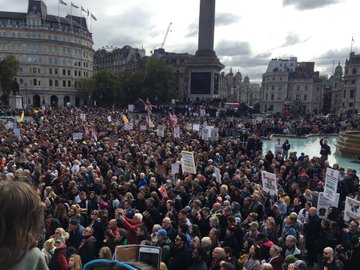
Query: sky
[(248, 33)]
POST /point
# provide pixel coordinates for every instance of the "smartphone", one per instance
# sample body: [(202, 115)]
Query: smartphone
[(150, 256)]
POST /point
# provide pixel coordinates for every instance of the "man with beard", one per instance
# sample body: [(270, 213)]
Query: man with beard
[(87, 248), (182, 257)]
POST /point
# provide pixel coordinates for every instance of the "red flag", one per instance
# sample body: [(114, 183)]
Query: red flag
[(148, 106)]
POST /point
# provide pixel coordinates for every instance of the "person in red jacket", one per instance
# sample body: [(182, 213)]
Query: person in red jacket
[(131, 225), (59, 260)]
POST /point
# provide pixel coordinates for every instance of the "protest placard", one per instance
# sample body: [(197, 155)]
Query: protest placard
[(77, 136), (324, 204), (175, 168), (352, 209), (217, 175), (176, 132), (143, 127), (160, 131), (331, 182), (188, 162), (269, 183), (196, 127)]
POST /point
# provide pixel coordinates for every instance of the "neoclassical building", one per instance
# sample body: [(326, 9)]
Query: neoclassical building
[(233, 88), (292, 87), (54, 54)]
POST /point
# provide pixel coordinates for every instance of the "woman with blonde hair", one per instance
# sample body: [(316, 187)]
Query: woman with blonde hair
[(105, 253), (60, 232), (20, 215), (75, 262)]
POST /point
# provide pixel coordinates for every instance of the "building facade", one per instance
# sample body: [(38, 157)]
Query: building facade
[(234, 89), (119, 60), (291, 87), (351, 86), (54, 54)]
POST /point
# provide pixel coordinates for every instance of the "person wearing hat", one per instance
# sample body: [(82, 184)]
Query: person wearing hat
[(75, 233), (166, 245), (300, 265), (59, 259)]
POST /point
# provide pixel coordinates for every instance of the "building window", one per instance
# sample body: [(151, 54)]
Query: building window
[(351, 104), (352, 93), (305, 97), (272, 97), (64, 71), (354, 71), (353, 82), (298, 88), (344, 96), (56, 83), (69, 72), (50, 71), (50, 83), (34, 82), (69, 83), (64, 83), (56, 71)]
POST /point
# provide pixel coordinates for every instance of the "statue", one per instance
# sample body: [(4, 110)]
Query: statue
[(15, 87)]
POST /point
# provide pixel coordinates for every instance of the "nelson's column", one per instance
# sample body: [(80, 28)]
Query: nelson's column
[(204, 67)]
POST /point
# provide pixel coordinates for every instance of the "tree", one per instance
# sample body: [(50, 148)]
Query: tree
[(133, 84), (108, 90), (86, 87), (159, 81), (9, 67)]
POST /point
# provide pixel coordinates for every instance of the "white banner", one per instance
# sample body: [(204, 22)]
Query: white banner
[(269, 183), (352, 209), (196, 127), (188, 162), (176, 132), (131, 107), (205, 134), (160, 131), (77, 136), (109, 118), (175, 168), (331, 182), (83, 116), (128, 126), (214, 134), (324, 204), (218, 175)]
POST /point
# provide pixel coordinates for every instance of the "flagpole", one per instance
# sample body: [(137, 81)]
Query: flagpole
[(71, 16), (59, 13)]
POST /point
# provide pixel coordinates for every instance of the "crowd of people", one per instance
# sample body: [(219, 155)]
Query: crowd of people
[(115, 186)]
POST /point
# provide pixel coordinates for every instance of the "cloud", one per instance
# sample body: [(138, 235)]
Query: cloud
[(223, 18), (192, 29), (309, 4), (291, 39), (332, 56), (232, 48)]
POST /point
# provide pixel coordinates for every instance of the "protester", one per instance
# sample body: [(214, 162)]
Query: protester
[(20, 215)]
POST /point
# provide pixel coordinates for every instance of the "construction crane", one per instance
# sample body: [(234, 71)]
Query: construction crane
[(166, 34)]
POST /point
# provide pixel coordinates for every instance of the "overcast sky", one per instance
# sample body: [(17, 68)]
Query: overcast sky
[(248, 33)]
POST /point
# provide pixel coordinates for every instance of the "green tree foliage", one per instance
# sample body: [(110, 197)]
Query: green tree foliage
[(9, 67), (108, 89), (86, 87), (133, 84), (159, 81)]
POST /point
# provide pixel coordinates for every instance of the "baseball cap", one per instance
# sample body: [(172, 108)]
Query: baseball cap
[(301, 265), (161, 232)]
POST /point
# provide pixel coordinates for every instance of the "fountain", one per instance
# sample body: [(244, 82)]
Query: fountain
[(348, 143)]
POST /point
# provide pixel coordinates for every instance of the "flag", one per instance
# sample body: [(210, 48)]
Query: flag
[(73, 5), (83, 9), (62, 2), (92, 16), (148, 106), (163, 192), (125, 119), (22, 117), (352, 40)]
